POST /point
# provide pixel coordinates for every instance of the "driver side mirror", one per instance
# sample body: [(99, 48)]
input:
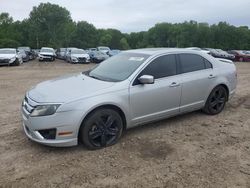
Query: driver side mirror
[(146, 79)]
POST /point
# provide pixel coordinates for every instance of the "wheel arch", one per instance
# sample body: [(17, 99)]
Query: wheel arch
[(105, 106), (226, 87)]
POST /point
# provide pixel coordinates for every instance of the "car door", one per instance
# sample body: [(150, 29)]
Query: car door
[(197, 80), (158, 100)]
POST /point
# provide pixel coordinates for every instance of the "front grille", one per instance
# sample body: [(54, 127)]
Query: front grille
[(82, 59), (4, 61), (49, 134)]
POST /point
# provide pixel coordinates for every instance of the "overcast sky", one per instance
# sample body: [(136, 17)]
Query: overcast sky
[(138, 15)]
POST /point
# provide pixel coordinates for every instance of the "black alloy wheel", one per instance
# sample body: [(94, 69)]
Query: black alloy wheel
[(102, 128), (216, 100)]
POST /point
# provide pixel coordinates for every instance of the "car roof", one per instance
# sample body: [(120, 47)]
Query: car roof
[(157, 51), (47, 48), (8, 48)]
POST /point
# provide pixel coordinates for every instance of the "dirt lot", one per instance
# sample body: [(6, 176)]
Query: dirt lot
[(192, 150)]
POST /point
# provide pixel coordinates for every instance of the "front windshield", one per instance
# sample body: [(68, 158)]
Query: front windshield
[(99, 53), (78, 51), (119, 67), (103, 48), (24, 48), (46, 50), (22, 52), (5, 51)]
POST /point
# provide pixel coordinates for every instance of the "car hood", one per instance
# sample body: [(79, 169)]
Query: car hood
[(67, 88), (7, 56), (101, 56), (80, 55), (46, 53)]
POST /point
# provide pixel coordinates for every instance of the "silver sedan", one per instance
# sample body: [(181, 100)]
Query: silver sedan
[(132, 88)]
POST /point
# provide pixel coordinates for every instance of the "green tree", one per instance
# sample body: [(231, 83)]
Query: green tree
[(84, 36), (48, 24), (124, 44)]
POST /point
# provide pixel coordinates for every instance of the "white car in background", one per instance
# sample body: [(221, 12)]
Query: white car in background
[(10, 56), (46, 54), (199, 49), (78, 56), (103, 49)]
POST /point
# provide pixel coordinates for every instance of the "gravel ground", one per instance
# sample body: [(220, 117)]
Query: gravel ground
[(192, 150)]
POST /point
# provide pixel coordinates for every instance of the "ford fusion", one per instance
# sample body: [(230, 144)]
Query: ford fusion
[(132, 88)]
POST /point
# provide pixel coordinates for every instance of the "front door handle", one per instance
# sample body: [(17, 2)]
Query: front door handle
[(174, 84), (211, 76)]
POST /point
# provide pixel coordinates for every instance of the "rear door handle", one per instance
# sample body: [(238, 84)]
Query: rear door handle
[(211, 76), (174, 84)]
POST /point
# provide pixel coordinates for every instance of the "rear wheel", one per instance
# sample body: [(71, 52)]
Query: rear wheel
[(216, 101), (101, 129)]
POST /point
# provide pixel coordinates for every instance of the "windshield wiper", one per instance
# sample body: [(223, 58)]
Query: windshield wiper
[(95, 77)]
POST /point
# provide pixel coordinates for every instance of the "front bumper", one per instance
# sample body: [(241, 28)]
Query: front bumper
[(43, 57), (62, 122), (81, 60), (6, 62)]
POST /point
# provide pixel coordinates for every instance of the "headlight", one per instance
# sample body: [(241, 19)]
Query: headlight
[(12, 59), (45, 110), (74, 59)]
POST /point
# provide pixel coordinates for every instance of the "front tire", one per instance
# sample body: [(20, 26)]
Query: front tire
[(17, 63), (216, 101), (102, 128)]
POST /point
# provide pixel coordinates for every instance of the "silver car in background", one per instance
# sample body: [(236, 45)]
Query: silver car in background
[(132, 88), (10, 56)]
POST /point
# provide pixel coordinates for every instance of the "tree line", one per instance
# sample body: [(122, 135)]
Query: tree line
[(51, 25)]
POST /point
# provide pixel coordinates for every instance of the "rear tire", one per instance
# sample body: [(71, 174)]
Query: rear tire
[(102, 128), (216, 101)]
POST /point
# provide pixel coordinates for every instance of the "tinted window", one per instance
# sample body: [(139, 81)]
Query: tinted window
[(161, 67), (208, 64), (191, 62)]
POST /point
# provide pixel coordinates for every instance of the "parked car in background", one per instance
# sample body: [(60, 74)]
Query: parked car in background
[(225, 55), (91, 51), (103, 49), (60, 53), (98, 57), (30, 52), (47, 54), (240, 55), (25, 55), (113, 52), (66, 55), (36, 52), (213, 52), (199, 49), (10, 56), (132, 88), (78, 56)]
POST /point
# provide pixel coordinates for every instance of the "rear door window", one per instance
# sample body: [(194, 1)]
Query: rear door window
[(192, 62)]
